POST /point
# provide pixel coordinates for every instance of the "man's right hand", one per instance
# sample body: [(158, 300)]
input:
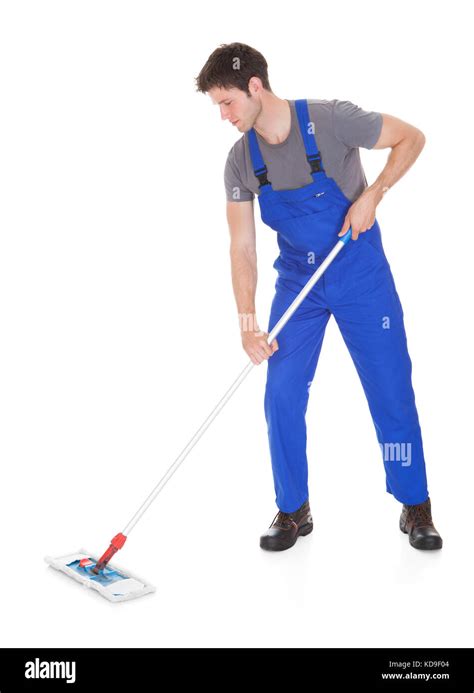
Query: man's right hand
[(256, 346)]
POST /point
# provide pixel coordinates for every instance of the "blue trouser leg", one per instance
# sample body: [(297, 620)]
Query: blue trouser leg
[(289, 375), (367, 309)]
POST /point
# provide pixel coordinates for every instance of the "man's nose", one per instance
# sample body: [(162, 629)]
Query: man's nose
[(224, 114)]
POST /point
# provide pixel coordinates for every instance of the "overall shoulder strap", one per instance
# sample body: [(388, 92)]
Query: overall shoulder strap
[(309, 137), (259, 167)]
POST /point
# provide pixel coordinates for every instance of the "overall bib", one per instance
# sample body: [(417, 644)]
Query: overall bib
[(359, 290)]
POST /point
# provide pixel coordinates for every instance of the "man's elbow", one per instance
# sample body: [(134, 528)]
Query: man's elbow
[(415, 140), (421, 139)]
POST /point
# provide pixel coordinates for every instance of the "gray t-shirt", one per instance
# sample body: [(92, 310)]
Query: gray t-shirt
[(341, 127)]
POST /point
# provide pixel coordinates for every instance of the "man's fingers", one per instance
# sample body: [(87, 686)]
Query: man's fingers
[(261, 350), (345, 227), (270, 348), (261, 354)]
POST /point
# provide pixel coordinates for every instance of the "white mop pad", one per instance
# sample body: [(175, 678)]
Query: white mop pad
[(112, 583)]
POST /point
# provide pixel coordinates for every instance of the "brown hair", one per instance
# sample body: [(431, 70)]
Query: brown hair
[(232, 65)]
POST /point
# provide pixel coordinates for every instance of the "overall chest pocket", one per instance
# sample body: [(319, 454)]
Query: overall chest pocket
[(287, 208)]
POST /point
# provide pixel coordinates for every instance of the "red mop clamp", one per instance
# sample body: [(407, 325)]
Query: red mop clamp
[(117, 542)]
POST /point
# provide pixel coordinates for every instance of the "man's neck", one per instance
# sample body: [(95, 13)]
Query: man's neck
[(274, 120)]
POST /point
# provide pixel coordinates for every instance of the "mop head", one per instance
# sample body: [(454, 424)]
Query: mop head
[(112, 583)]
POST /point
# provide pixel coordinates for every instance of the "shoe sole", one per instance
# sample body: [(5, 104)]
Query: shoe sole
[(429, 543), (275, 545)]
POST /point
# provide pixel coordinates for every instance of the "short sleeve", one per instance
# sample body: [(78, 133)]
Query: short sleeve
[(355, 127), (235, 190)]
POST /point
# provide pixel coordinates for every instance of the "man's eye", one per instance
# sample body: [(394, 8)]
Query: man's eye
[(227, 103)]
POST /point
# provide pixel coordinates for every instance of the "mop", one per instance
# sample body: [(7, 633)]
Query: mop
[(119, 585)]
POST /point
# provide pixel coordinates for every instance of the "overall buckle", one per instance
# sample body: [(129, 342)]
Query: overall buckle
[(261, 174), (315, 163)]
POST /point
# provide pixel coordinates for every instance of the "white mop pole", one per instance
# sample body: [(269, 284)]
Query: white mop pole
[(119, 540), (221, 404)]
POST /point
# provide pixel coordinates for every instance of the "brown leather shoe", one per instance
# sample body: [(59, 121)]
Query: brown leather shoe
[(286, 528), (416, 521)]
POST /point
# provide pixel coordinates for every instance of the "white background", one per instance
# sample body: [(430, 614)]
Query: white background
[(119, 331)]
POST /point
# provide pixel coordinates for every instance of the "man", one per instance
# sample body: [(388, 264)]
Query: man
[(301, 159)]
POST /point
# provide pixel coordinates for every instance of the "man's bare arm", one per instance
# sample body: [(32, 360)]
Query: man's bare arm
[(243, 257), (406, 142)]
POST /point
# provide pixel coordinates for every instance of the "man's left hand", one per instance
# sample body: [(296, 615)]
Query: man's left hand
[(361, 214)]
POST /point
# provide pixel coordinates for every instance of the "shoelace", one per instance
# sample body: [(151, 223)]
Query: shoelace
[(420, 514), (282, 519)]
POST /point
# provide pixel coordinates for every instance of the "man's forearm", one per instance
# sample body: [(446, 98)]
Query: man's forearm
[(244, 282), (402, 157)]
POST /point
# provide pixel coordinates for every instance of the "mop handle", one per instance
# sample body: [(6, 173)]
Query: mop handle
[(223, 401), (308, 286)]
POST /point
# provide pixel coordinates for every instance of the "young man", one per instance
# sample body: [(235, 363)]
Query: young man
[(301, 159)]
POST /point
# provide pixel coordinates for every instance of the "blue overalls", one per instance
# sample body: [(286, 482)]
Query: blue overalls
[(359, 290)]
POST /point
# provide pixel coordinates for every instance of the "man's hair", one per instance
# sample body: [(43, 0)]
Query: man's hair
[(232, 65)]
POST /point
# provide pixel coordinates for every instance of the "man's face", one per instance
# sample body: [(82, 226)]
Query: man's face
[(236, 107)]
